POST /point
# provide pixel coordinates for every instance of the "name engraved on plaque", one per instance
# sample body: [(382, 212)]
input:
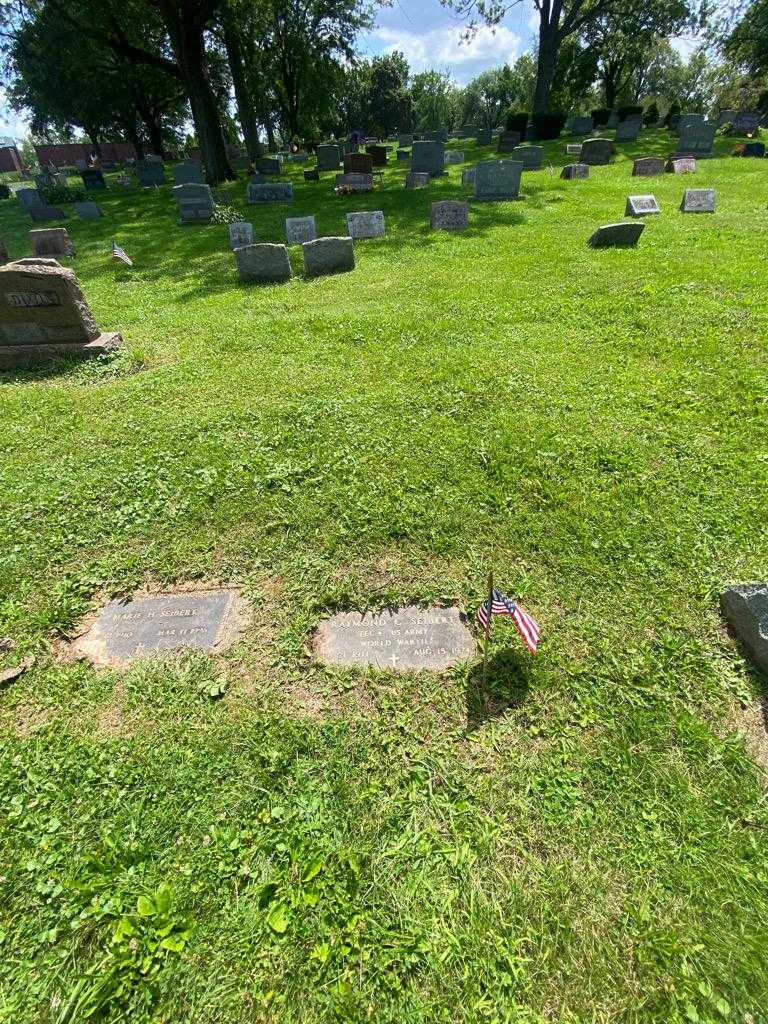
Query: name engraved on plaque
[(29, 300)]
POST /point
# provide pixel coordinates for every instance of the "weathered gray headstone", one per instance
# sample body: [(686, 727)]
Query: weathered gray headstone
[(745, 609), (596, 152), (88, 210), (745, 121), (641, 206), (271, 192), (483, 137), (270, 165), (43, 312), (124, 631), (188, 173), (581, 126), (150, 172), (328, 157), (623, 234), (696, 139), (29, 198), (689, 120), (529, 156), (571, 171), (681, 165), (508, 142), (454, 156), (428, 158), (300, 229), (449, 215), (468, 176), (328, 256), (46, 213), (573, 149), (358, 163), (417, 179), (355, 182), (648, 166), (698, 200), (405, 640), (498, 179), (365, 224), (194, 203), (240, 233), (51, 242), (405, 141), (403, 155), (263, 261), (627, 131)]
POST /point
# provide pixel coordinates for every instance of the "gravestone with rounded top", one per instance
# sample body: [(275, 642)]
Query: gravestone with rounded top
[(745, 608), (270, 192), (498, 179), (449, 215), (328, 157), (405, 640), (300, 229), (194, 203), (331, 255), (417, 179), (647, 166), (641, 206), (240, 233), (263, 262), (571, 171), (51, 242), (622, 235), (698, 200), (365, 224), (428, 157), (43, 313), (596, 152)]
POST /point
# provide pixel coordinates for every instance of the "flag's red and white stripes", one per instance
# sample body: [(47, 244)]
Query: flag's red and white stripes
[(526, 625), (121, 255)]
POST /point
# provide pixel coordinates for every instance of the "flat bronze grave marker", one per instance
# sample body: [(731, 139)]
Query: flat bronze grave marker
[(204, 620), (408, 639)]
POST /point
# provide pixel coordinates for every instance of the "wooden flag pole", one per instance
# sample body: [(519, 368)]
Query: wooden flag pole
[(487, 635)]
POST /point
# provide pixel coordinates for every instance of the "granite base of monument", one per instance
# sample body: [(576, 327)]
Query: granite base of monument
[(745, 608)]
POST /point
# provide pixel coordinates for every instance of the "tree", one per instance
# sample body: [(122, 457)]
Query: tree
[(748, 42), (231, 19), (389, 101), (435, 100), (485, 99)]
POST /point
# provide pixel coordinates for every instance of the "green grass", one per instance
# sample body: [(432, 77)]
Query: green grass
[(326, 845)]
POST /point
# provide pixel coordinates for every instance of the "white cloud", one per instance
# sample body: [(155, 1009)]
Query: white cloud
[(445, 47), (11, 123), (685, 45)]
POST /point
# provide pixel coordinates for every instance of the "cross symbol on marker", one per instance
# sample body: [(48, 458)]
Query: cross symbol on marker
[(395, 660)]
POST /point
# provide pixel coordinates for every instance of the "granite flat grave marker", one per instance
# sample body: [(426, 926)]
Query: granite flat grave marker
[(43, 313), (428, 158), (641, 206), (88, 210), (681, 165), (358, 163), (263, 262), (271, 192), (745, 609), (647, 167), (365, 224), (300, 229), (194, 203), (621, 235), (571, 171), (188, 173), (240, 233), (51, 242), (698, 200), (124, 631), (449, 215), (529, 156), (498, 179), (417, 179), (405, 640), (328, 157), (46, 213), (355, 182), (508, 142), (596, 152), (331, 255)]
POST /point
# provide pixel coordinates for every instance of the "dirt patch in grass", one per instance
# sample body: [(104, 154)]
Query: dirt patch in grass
[(752, 723), (30, 718)]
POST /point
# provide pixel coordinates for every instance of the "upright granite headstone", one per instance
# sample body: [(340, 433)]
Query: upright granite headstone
[(745, 122), (29, 199), (271, 192), (529, 156), (622, 235), (596, 152), (745, 609), (689, 120), (417, 179), (571, 171), (681, 165), (51, 242), (498, 179), (483, 137), (358, 163), (194, 203), (263, 262), (581, 126), (404, 640), (378, 155), (449, 215), (437, 135), (88, 210), (240, 233), (647, 167), (508, 142), (641, 206), (428, 158), (150, 172), (627, 131), (93, 179), (300, 229), (328, 157), (271, 165), (355, 182), (698, 200), (188, 173), (331, 255), (43, 313), (405, 141), (696, 140), (365, 224)]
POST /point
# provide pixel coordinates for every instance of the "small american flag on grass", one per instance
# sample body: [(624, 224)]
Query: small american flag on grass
[(500, 604), (121, 255)]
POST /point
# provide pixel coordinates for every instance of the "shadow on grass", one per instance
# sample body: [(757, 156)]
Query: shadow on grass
[(506, 686)]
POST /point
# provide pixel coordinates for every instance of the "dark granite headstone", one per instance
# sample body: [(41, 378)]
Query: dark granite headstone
[(529, 156), (93, 178), (312, 174), (696, 139), (571, 171), (508, 142), (745, 122), (581, 126), (483, 137), (417, 179), (328, 157), (88, 210), (698, 200), (745, 609), (263, 261), (42, 214), (270, 165), (449, 215), (194, 203), (330, 255), (596, 152), (188, 173), (647, 166), (300, 229), (355, 182), (358, 163), (403, 155), (378, 155), (163, 623), (271, 192), (428, 158), (498, 179), (365, 224), (641, 206), (437, 135), (627, 131), (29, 198), (150, 172), (405, 640), (5, 192), (754, 149), (621, 235)]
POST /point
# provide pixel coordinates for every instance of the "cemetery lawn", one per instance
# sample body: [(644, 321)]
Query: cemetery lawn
[(340, 845)]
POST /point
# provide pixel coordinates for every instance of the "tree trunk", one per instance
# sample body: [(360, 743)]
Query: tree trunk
[(609, 87), (545, 69), (93, 135), (151, 120), (134, 139), (270, 130), (245, 113)]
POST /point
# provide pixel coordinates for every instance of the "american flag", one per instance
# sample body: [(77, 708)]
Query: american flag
[(121, 255), (527, 626)]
